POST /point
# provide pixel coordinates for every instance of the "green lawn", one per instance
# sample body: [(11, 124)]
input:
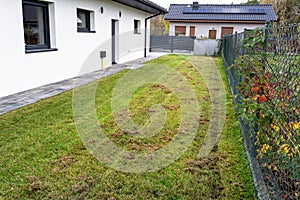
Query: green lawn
[(42, 156)]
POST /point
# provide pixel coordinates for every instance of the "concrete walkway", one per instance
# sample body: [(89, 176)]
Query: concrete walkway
[(18, 100)]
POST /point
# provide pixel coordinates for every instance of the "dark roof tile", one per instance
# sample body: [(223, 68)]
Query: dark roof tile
[(237, 12)]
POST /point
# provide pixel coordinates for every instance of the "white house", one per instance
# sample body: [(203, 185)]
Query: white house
[(45, 41), (215, 21)]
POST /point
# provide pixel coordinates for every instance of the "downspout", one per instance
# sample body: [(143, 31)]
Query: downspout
[(146, 21)]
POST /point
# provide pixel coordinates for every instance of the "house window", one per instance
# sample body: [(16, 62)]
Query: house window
[(84, 20), (137, 26), (180, 30), (226, 31), (36, 25)]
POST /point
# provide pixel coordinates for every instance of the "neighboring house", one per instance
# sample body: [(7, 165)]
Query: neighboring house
[(215, 21), (45, 41)]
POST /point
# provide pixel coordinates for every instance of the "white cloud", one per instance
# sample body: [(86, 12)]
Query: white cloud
[(166, 3)]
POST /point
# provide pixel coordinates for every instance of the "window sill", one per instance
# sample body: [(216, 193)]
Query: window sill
[(40, 50), (86, 31)]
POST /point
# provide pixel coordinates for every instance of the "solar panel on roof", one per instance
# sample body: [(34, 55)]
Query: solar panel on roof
[(229, 10), (257, 11)]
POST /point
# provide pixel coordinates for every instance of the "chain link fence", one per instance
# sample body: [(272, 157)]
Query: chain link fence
[(263, 71)]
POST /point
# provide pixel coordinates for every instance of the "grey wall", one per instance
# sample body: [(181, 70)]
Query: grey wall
[(206, 47)]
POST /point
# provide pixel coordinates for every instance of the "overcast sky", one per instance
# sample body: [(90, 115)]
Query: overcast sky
[(166, 3)]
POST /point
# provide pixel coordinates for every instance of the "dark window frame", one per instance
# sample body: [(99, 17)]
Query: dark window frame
[(87, 14), (45, 7), (137, 26)]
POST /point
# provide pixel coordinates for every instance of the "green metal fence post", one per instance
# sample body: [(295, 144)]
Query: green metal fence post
[(226, 48), (245, 36), (266, 32), (235, 39), (235, 55), (230, 49), (223, 47)]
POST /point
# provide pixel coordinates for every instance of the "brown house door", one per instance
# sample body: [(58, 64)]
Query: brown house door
[(212, 34), (226, 31), (192, 31)]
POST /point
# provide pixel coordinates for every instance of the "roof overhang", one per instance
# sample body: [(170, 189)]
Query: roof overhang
[(143, 5)]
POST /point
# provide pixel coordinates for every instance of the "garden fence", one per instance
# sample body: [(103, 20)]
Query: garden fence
[(161, 43), (262, 67)]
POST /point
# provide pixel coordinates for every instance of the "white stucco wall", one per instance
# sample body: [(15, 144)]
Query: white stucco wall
[(20, 71), (202, 29)]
